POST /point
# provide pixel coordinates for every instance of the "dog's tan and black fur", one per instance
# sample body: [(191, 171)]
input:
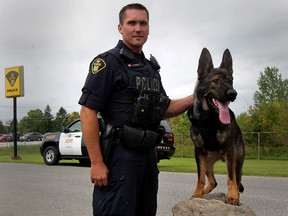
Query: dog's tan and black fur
[(214, 130)]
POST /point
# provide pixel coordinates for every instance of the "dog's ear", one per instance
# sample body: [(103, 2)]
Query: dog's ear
[(205, 63), (227, 61)]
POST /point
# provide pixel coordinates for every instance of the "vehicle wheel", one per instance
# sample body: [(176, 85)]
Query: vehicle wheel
[(51, 156)]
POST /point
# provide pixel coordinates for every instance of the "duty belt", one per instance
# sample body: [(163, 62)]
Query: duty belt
[(139, 139)]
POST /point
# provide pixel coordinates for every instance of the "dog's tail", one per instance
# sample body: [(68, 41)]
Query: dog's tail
[(239, 174)]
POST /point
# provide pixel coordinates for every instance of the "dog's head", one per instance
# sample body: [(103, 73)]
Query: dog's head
[(214, 89)]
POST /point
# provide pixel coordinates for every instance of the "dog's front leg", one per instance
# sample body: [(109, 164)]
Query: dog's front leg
[(212, 157), (201, 158), (232, 196)]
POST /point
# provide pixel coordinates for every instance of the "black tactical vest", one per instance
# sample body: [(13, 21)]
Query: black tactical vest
[(139, 101)]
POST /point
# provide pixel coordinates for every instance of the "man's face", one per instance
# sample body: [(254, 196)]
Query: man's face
[(134, 29)]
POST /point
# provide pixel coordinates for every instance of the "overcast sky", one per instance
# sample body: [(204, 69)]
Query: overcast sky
[(55, 40)]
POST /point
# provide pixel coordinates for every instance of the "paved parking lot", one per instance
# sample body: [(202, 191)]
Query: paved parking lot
[(40, 190)]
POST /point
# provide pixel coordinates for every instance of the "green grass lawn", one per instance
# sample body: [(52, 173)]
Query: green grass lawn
[(275, 168), (30, 154)]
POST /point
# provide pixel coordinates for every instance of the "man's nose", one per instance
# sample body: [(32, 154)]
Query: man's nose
[(138, 27)]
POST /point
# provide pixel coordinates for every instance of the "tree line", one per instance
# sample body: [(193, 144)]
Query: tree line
[(38, 121)]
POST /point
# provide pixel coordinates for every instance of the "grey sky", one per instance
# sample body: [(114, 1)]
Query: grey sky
[(55, 40)]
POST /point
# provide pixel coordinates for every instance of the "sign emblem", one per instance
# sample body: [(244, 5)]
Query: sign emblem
[(97, 65), (12, 77)]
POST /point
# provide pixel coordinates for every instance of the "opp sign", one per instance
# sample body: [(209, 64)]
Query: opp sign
[(14, 82)]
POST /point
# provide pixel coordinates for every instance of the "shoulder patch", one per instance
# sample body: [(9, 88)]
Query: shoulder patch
[(97, 65)]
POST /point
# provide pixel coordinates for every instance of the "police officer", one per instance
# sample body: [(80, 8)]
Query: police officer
[(126, 89)]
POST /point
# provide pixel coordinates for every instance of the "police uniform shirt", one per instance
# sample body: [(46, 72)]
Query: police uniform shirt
[(108, 74)]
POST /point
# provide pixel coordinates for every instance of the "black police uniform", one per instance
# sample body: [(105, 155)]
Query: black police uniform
[(117, 80)]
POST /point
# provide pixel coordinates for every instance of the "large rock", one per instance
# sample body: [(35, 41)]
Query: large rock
[(210, 204)]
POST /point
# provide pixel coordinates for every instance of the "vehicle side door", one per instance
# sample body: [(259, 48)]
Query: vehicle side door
[(71, 139)]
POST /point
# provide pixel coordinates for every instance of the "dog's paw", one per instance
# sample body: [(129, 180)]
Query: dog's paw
[(232, 201), (197, 195), (210, 187)]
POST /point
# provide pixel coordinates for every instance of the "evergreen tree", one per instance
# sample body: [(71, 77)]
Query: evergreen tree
[(47, 120), (60, 118)]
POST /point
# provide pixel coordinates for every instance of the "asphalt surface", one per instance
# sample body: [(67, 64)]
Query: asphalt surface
[(40, 190)]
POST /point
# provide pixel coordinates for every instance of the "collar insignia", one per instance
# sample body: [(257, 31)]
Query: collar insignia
[(134, 65)]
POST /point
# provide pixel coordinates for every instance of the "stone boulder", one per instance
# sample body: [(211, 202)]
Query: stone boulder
[(210, 204)]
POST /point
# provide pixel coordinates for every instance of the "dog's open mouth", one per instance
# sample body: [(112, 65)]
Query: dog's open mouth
[(223, 109)]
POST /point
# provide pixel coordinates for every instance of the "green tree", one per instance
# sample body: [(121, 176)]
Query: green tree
[(270, 110), (71, 117), (38, 121), (31, 122), (180, 124), (270, 102), (271, 87), (47, 122), (60, 118), (244, 122)]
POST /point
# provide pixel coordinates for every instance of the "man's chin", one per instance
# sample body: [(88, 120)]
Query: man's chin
[(139, 41), (136, 45)]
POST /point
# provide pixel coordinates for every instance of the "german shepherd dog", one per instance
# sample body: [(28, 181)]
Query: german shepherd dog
[(214, 130)]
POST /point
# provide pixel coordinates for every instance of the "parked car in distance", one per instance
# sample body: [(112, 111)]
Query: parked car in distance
[(12, 135), (32, 136), (6, 138)]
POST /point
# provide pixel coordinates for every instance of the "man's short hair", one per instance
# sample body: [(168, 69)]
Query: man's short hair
[(136, 6)]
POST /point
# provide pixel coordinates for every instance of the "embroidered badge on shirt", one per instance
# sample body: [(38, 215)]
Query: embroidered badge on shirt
[(97, 65)]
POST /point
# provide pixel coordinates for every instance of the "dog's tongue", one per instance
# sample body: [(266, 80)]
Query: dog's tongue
[(224, 115)]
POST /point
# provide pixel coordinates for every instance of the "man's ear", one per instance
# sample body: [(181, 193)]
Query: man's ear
[(120, 28), (205, 63)]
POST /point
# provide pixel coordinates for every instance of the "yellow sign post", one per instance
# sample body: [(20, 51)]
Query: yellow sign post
[(14, 87)]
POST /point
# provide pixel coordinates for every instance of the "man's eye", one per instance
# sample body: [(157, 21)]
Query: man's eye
[(143, 23), (132, 23)]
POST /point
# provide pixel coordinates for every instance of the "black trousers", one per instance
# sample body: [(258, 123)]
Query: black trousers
[(133, 184)]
